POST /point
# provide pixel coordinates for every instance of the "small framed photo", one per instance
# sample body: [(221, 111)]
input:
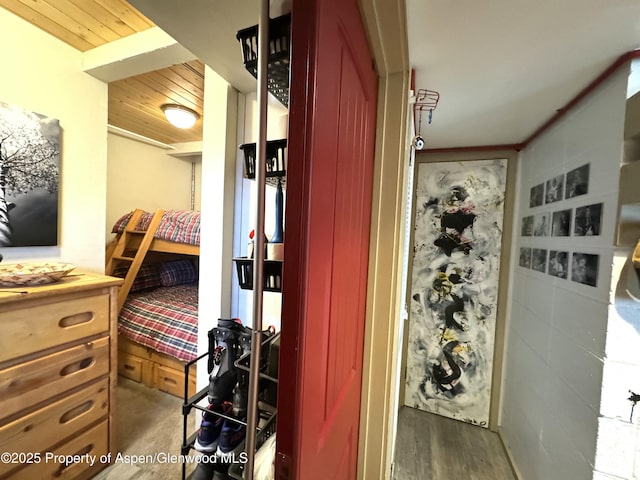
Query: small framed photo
[(525, 257), (561, 223), (555, 189), (584, 268), (558, 264), (536, 197), (577, 182), (541, 225), (539, 259), (527, 226), (588, 220)]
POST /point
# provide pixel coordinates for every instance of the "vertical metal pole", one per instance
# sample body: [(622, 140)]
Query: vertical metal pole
[(193, 185), (258, 254)]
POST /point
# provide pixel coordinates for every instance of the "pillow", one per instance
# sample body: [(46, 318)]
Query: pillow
[(177, 273), (148, 277)]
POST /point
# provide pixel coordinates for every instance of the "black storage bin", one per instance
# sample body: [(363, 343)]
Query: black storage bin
[(278, 56), (276, 161), (272, 274)]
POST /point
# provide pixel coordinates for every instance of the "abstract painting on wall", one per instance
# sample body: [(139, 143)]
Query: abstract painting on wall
[(29, 178), (454, 287)]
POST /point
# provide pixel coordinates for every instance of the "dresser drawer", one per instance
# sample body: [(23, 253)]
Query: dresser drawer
[(38, 327), (91, 444), (43, 428), (30, 383), (172, 381), (168, 380), (130, 366)]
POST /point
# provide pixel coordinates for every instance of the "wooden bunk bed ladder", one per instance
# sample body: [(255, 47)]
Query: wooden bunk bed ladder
[(131, 249)]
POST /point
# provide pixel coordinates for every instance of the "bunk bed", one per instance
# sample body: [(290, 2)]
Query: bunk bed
[(156, 254)]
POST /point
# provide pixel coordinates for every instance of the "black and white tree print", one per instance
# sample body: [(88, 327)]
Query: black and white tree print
[(29, 176)]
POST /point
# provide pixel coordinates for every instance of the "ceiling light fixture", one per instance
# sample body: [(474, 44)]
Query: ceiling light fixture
[(179, 116)]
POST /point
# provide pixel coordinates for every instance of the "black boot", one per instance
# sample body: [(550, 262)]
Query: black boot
[(230, 339)]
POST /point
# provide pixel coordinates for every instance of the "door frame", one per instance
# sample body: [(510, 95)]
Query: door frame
[(385, 22)]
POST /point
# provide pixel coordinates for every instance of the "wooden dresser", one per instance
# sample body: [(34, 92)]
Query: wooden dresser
[(58, 373)]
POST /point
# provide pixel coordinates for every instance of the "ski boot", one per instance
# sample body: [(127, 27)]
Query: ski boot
[(228, 348)]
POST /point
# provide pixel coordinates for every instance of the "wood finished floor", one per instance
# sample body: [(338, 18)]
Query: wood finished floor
[(148, 422), (431, 447)]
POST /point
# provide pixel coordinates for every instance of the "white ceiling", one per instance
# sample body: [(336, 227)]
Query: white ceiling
[(502, 67), (208, 29)]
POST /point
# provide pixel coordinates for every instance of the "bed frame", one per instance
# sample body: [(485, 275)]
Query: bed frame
[(138, 362), (153, 369), (130, 247)]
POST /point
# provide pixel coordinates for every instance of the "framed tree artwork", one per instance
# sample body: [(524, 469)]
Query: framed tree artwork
[(29, 178)]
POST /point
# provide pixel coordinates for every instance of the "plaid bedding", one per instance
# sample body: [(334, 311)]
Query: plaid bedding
[(165, 319), (180, 226)]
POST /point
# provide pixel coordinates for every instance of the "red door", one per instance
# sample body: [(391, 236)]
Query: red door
[(329, 180)]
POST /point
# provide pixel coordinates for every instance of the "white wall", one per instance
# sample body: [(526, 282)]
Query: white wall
[(44, 75), (144, 176), (557, 328), (246, 192), (218, 169)]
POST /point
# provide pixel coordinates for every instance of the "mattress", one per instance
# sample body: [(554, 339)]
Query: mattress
[(164, 319), (180, 226)]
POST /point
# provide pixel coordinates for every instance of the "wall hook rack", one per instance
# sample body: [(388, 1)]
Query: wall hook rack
[(426, 100)]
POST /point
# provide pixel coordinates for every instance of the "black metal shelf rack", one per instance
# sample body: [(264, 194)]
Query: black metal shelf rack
[(232, 464), (277, 58)]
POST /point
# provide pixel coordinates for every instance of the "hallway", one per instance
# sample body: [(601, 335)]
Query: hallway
[(431, 447)]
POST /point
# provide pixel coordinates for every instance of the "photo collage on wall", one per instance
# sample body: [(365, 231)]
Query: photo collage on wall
[(585, 220)]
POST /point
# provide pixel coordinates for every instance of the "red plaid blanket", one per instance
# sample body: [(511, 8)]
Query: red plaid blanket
[(180, 226), (165, 319)]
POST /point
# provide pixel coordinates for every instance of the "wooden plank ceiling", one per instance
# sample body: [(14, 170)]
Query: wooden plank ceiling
[(134, 103)]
